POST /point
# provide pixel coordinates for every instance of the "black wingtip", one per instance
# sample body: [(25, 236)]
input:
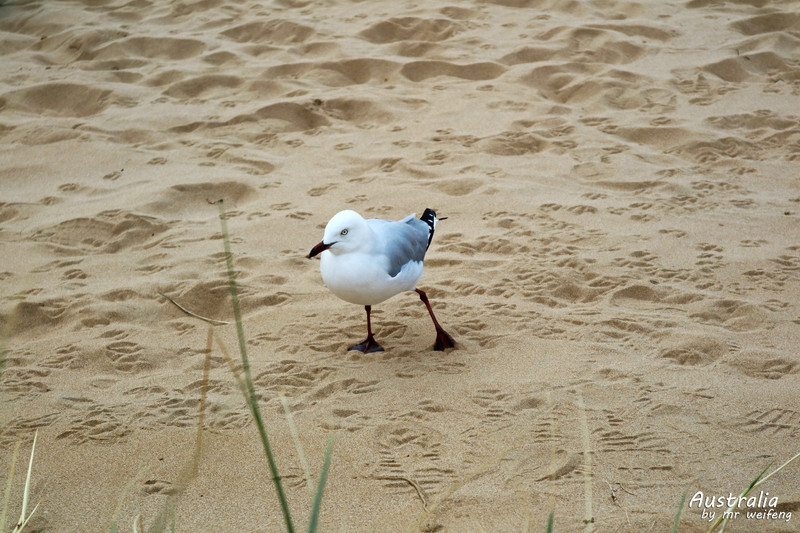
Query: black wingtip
[(429, 217)]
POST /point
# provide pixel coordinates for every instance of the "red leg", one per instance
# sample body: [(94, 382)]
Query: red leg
[(369, 345), (443, 339)]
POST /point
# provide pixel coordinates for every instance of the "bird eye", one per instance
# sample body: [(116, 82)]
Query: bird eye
[(344, 232)]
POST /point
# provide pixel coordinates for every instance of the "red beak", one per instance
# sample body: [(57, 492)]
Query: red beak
[(318, 249)]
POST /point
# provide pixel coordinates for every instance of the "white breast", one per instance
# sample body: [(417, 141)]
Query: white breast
[(363, 279)]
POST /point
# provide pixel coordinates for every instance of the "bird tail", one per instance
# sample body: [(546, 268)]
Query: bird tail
[(429, 217)]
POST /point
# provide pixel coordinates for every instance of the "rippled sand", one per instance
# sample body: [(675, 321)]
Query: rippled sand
[(620, 265)]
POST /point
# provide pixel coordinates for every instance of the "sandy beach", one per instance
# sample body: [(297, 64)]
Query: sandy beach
[(620, 264)]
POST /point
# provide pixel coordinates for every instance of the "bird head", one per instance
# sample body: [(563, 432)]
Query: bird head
[(346, 231)]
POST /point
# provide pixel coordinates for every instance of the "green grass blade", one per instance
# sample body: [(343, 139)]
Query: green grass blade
[(784, 465), (760, 478), (753, 484), (232, 288), (550, 519), (724, 521), (323, 478), (678, 516), (252, 398)]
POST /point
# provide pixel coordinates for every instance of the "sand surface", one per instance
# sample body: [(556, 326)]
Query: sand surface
[(620, 265)]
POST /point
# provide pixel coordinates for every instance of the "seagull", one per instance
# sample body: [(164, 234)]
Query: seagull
[(368, 261)]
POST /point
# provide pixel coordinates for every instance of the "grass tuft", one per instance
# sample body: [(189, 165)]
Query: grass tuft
[(678, 516), (245, 382), (24, 517), (722, 521), (323, 477)]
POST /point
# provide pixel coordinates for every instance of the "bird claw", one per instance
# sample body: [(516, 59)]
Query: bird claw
[(368, 346), (443, 341)]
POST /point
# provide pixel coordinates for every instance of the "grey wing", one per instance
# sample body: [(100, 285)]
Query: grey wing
[(401, 242)]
